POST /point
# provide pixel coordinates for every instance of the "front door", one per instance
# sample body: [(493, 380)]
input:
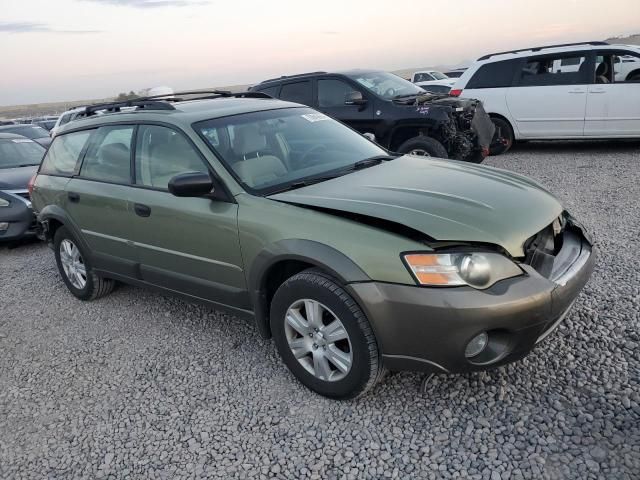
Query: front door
[(332, 99), (188, 245), (613, 103), (548, 100)]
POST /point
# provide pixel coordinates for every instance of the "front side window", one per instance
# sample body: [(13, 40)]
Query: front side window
[(569, 69), (333, 93), (618, 67), (270, 150), (108, 158), (298, 92), (20, 152), (386, 85), (162, 153), (64, 153)]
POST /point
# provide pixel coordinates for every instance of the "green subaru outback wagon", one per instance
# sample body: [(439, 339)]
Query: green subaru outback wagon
[(355, 260)]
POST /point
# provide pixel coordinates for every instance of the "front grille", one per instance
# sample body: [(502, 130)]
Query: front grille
[(542, 248)]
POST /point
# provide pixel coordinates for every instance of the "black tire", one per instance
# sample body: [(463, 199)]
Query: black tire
[(504, 132), (366, 368), (431, 147), (95, 286), (476, 157), (633, 76)]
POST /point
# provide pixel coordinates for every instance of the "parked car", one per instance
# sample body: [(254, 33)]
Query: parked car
[(427, 76), (45, 122), (455, 73), (7, 122), (573, 91), (19, 160), (401, 116), (353, 259), (33, 132), (438, 89), (65, 118)]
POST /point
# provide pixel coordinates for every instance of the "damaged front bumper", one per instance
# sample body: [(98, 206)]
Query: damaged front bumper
[(16, 218), (429, 329)]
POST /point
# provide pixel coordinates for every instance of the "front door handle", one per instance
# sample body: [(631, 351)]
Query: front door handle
[(73, 197), (142, 210)]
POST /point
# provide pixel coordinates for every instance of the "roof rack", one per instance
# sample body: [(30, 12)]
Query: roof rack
[(537, 49), (297, 75), (162, 102)]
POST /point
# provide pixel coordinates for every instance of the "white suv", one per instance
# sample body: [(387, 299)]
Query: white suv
[(573, 91)]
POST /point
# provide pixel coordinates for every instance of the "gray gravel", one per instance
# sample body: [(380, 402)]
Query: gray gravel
[(139, 385)]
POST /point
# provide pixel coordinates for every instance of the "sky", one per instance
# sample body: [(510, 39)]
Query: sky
[(57, 50)]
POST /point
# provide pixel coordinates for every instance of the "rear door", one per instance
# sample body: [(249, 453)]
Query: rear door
[(546, 101), (188, 245), (97, 199), (331, 99), (613, 104)]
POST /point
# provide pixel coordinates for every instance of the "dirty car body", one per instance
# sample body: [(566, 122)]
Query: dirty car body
[(354, 260), (396, 111)]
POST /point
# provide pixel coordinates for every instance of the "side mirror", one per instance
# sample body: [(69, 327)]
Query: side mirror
[(354, 98), (194, 184)]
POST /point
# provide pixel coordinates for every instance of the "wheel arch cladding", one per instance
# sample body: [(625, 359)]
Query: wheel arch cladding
[(57, 217), (283, 259)]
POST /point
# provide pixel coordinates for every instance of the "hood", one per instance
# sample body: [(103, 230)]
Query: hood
[(16, 178), (446, 200)]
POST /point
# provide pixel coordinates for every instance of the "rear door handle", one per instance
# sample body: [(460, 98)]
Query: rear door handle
[(73, 196), (142, 210), (578, 91)]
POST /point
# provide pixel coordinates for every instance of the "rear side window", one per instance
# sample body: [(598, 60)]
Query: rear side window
[(271, 91), (109, 156), (570, 69), (163, 153), (64, 153), (299, 92), (494, 75)]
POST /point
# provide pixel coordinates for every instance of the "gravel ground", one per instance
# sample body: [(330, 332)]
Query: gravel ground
[(141, 386)]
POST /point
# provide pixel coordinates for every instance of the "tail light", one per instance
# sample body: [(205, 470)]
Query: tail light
[(31, 183), (455, 92)]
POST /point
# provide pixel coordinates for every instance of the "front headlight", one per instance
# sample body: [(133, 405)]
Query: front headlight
[(4, 203), (476, 269)]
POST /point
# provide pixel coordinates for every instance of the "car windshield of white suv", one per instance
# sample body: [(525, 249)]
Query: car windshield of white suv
[(19, 152), (386, 85), (281, 149)]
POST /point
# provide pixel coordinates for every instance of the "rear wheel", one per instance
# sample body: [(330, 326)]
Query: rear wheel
[(503, 138), (423, 146), (76, 269), (324, 337)]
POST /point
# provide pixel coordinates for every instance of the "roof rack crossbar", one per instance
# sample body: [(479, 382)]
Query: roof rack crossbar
[(298, 75), (537, 49), (162, 102)]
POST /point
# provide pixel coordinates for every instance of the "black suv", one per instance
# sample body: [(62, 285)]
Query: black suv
[(402, 116)]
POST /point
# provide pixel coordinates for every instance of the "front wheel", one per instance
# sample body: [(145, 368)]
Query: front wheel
[(423, 146), (503, 138), (324, 337)]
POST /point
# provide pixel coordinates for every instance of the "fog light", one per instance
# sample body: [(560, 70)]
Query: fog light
[(4, 226), (476, 345)]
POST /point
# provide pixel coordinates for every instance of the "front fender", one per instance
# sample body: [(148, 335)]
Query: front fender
[(314, 253)]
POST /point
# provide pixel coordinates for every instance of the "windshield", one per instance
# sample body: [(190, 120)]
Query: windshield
[(438, 75), (28, 131), (19, 152), (267, 151), (386, 85)]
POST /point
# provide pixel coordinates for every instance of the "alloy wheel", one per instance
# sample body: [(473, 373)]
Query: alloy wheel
[(318, 340), (73, 264), (419, 152)]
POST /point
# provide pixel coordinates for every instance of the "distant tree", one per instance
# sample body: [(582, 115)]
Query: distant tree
[(126, 96)]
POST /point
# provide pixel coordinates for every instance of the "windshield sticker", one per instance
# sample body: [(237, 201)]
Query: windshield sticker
[(315, 117), (21, 140)]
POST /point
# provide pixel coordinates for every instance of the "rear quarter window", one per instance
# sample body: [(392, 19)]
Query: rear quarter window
[(298, 92), (64, 153), (271, 91), (494, 75)]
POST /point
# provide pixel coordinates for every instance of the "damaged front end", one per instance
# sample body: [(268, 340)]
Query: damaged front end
[(463, 127)]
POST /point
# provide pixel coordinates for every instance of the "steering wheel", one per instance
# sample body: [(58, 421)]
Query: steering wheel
[(318, 148)]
